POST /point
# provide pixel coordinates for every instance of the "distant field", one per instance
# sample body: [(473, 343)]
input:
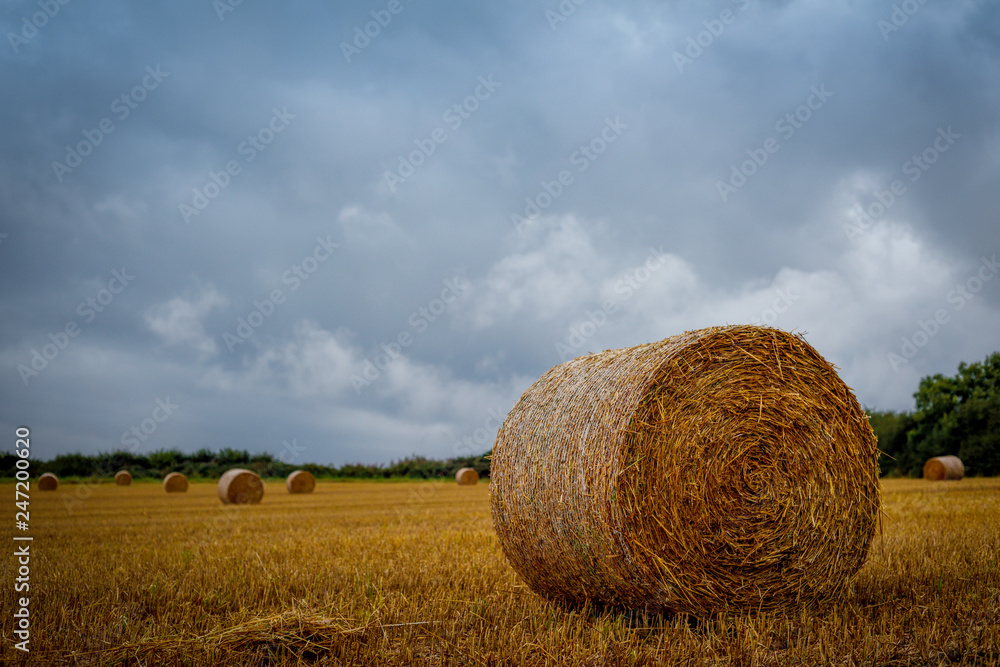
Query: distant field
[(371, 573)]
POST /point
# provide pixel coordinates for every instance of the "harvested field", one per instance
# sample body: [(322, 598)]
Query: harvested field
[(412, 573)]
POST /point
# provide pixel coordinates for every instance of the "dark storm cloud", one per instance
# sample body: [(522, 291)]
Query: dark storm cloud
[(355, 160)]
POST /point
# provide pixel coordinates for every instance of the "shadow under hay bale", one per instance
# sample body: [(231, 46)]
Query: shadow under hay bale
[(175, 483), (123, 478), (300, 481), (48, 482), (944, 467), (240, 487), (466, 477), (725, 468)]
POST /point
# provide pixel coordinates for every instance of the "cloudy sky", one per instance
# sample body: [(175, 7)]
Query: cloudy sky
[(344, 232)]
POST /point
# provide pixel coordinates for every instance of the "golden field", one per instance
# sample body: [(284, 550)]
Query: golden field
[(397, 573)]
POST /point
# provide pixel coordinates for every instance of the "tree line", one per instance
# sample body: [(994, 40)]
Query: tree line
[(208, 464), (957, 415)]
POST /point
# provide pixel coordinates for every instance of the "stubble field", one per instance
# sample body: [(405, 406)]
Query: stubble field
[(412, 573)]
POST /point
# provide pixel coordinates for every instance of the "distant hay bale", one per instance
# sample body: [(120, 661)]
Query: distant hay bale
[(48, 482), (123, 478), (728, 468), (240, 487), (300, 481), (175, 483), (944, 467), (467, 477)]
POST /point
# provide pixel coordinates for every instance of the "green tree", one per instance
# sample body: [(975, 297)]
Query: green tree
[(958, 415), (890, 429)]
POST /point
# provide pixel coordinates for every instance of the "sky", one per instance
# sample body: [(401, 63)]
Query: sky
[(355, 232)]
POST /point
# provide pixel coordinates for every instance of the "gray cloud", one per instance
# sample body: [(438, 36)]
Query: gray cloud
[(634, 244)]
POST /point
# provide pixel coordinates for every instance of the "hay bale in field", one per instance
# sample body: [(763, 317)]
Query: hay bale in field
[(239, 486), (466, 477), (944, 467), (725, 468), (48, 482), (123, 478), (300, 481), (175, 483)]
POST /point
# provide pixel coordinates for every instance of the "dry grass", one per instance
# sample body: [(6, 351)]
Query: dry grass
[(412, 573), (722, 468)]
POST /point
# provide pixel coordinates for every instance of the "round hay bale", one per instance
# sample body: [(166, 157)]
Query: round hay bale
[(48, 482), (944, 467), (240, 487), (300, 481), (175, 483), (467, 477), (724, 468), (123, 478)]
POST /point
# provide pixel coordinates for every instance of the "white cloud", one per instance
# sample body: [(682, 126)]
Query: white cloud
[(179, 321)]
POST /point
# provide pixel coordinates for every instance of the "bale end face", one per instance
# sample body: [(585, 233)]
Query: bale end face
[(944, 468), (123, 478), (466, 477), (48, 482), (175, 482), (240, 487), (300, 481)]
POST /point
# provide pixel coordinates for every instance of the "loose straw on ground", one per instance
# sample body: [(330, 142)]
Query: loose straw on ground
[(175, 483), (944, 467), (725, 468), (240, 487)]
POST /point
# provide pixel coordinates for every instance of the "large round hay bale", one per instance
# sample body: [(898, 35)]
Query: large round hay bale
[(300, 481), (725, 468), (48, 482), (175, 483), (467, 477), (123, 478), (944, 467), (240, 487)]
